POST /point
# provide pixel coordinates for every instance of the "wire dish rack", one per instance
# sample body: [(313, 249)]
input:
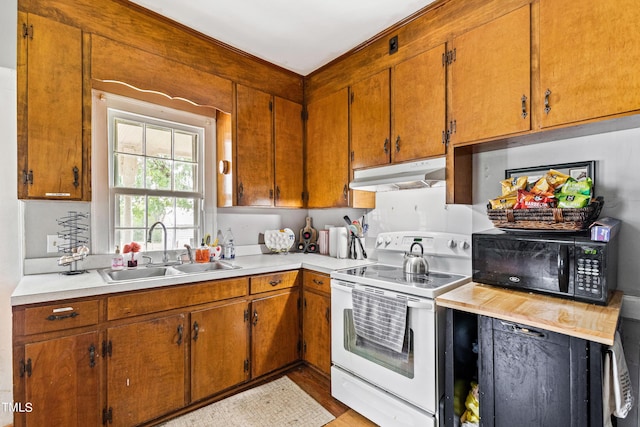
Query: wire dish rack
[(75, 247)]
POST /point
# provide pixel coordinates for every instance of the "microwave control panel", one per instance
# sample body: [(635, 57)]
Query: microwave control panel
[(588, 270)]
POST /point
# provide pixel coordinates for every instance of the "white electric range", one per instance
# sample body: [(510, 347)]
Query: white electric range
[(395, 387)]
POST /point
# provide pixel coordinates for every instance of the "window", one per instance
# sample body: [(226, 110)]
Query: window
[(156, 174)]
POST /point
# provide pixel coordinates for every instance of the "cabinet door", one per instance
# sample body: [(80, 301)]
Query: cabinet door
[(63, 384), (491, 79), (316, 321), (275, 340), (419, 109), (531, 377), (146, 369), (370, 121), (219, 349), (50, 109), (589, 51), (254, 147), (289, 175), (327, 151)]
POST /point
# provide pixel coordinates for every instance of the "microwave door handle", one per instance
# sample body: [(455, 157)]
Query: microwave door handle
[(563, 268)]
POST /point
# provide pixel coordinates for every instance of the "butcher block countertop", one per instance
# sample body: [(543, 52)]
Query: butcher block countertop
[(583, 320)]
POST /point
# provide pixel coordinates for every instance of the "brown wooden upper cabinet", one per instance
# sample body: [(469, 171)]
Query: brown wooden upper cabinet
[(406, 126), (327, 154), (269, 150), (589, 51), (49, 73), (490, 68)]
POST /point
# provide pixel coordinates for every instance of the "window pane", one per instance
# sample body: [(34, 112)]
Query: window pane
[(161, 209), (185, 212), (128, 138), (186, 237), (158, 142), (130, 211), (185, 176), (123, 237), (186, 146), (159, 174), (128, 171)]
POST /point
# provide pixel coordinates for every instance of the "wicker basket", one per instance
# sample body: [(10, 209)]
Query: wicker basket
[(547, 218)]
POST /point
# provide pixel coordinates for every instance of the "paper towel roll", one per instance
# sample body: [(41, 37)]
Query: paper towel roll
[(342, 242), (333, 241)]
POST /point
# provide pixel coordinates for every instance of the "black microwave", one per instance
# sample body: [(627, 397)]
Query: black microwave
[(568, 265)]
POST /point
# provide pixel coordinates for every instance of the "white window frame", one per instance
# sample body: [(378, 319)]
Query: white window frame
[(103, 192)]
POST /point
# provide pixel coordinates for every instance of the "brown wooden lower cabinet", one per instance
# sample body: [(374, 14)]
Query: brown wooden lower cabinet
[(317, 330), (219, 348), (61, 382), (275, 339), (160, 356), (146, 369)]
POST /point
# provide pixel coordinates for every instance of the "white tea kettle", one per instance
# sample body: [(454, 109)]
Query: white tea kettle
[(415, 264)]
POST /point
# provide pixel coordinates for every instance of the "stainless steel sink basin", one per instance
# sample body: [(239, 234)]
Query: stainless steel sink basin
[(199, 268), (137, 274), (146, 273)]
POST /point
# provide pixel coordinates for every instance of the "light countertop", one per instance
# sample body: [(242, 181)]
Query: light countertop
[(579, 319), (39, 288)]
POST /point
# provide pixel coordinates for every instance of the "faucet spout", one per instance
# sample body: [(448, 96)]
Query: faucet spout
[(165, 257)]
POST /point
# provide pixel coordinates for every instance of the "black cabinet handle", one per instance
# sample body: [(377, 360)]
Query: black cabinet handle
[(76, 177), (547, 107), (275, 282), (318, 282), (385, 147), (522, 330), (398, 144), (196, 329), (92, 356), (180, 331), (54, 317), (524, 107)]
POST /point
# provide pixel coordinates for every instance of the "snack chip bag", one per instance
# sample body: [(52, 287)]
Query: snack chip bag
[(573, 200), (527, 200), (542, 187), (511, 185), (555, 178), (572, 186), (505, 202)]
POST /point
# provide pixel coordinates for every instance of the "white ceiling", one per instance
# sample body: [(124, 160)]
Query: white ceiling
[(299, 35)]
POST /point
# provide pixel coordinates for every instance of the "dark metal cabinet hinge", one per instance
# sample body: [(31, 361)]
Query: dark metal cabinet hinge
[(107, 348), (246, 365), (246, 315), (25, 368), (27, 31), (27, 177), (92, 356), (107, 416), (449, 58), (304, 347)]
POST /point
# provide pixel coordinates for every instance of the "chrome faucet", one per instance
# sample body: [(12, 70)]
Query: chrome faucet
[(189, 253), (165, 257)]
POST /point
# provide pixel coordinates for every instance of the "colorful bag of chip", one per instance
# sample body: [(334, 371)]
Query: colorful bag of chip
[(572, 186), (507, 202), (510, 186), (573, 200), (542, 187), (527, 200), (555, 178)]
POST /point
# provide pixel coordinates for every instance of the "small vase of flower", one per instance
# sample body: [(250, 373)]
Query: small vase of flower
[(134, 248)]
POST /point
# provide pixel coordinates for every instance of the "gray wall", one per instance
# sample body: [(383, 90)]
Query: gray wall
[(8, 22)]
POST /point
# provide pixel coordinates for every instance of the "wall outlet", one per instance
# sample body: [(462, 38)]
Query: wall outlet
[(52, 243)]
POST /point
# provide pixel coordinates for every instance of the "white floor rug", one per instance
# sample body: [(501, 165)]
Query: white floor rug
[(278, 403)]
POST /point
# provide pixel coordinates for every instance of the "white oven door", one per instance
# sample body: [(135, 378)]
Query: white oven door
[(414, 378)]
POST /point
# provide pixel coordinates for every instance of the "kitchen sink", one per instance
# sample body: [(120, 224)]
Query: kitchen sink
[(136, 274), (146, 273), (208, 266)]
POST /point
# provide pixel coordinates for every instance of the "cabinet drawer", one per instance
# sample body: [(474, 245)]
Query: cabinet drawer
[(60, 316), (274, 281), (317, 281), (139, 303)]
